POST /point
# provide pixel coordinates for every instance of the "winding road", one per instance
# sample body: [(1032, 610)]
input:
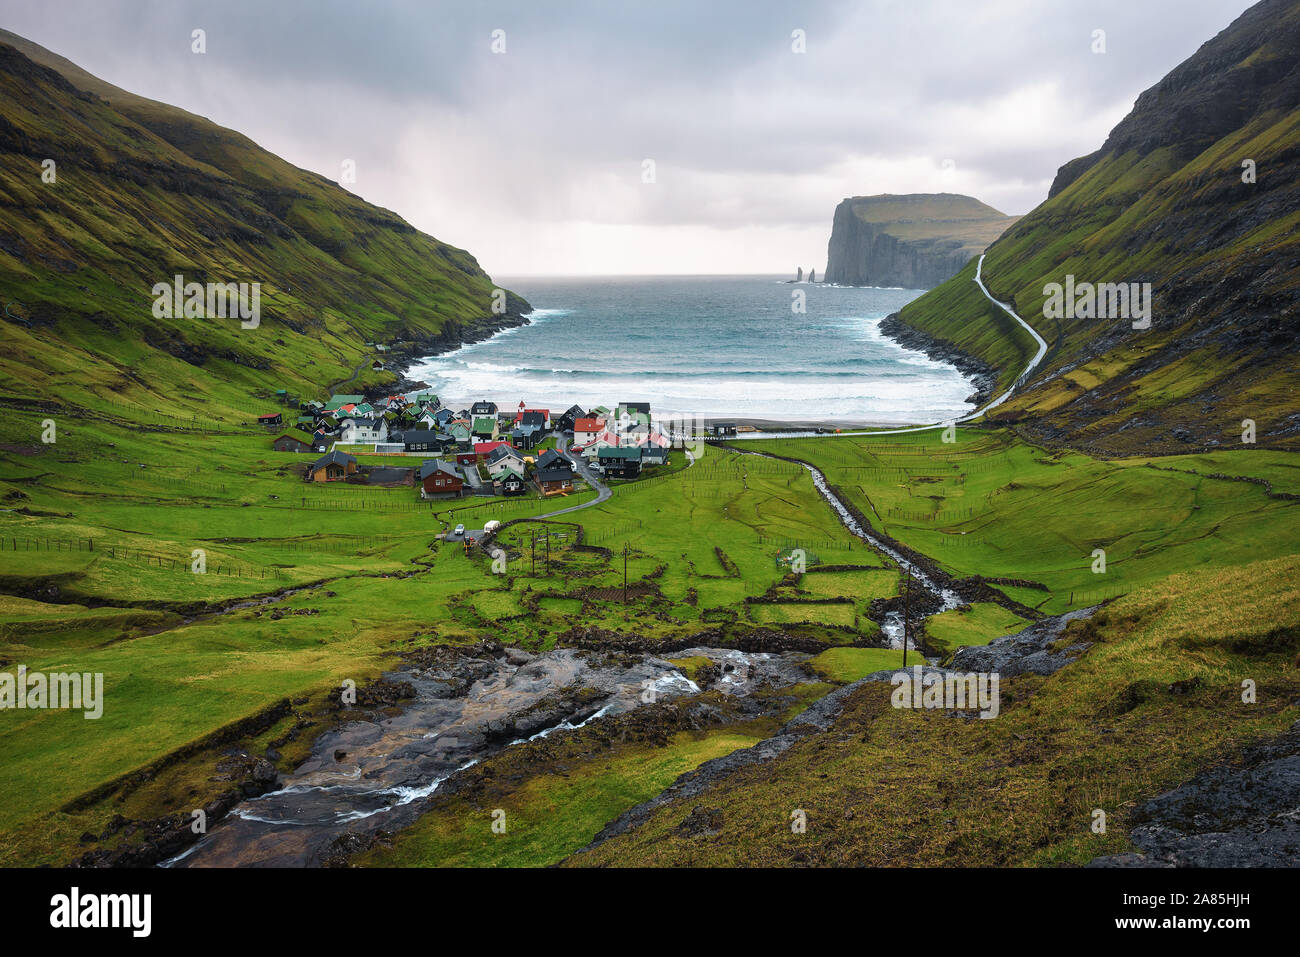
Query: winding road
[(602, 490)]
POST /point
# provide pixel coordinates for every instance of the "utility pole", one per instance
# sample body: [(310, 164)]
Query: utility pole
[(533, 560), (625, 574), (548, 551)]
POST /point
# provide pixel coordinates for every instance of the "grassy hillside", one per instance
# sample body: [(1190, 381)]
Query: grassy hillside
[(1156, 697), (1164, 202), (143, 191), (991, 505)]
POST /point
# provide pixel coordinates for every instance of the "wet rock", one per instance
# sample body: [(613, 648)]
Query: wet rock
[(380, 769), (1240, 814), (1025, 652)]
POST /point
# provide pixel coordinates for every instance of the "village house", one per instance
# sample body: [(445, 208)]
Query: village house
[(483, 407), (554, 481), (570, 416), (551, 459), (417, 440), (359, 431), (624, 463), (437, 478), (538, 417), (295, 440), (271, 418), (524, 438), (511, 483), (503, 458), (485, 427), (652, 455), (606, 440), (585, 431), (332, 467)]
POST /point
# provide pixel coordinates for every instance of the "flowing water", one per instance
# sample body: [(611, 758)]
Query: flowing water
[(892, 626), (368, 775)]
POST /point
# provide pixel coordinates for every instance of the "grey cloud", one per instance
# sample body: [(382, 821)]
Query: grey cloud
[(556, 129)]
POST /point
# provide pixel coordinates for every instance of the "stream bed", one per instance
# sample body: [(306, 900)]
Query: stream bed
[(368, 775)]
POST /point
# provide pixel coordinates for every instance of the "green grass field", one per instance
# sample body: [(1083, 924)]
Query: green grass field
[(101, 527), (97, 570), (992, 505)]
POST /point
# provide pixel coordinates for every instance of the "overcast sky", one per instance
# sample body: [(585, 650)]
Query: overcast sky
[(533, 159)]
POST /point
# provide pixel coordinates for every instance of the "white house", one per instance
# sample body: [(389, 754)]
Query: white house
[(362, 431), (606, 440), (586, 430), (504, 459)]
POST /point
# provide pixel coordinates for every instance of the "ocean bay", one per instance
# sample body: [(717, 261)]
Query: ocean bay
[(717, 346)]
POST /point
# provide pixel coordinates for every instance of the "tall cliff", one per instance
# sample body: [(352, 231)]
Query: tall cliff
[(916, 240)]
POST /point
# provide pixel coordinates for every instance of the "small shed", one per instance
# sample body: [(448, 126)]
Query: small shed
[(333, 467), (295, 440)]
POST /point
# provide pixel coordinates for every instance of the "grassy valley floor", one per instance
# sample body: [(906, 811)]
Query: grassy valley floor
[(307, 586)]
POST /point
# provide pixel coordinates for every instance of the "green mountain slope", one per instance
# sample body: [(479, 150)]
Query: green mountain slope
[(142, 192), (1163, 201)]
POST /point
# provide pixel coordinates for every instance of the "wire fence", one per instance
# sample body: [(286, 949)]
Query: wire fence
[(186, 563), (807, 545), (1094, 596)]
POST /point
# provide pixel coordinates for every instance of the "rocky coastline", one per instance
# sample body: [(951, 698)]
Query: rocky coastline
[(982, 375)]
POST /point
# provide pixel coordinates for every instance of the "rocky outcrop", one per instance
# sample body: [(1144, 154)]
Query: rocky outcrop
[(1026, 652), (914, 241), (982, 375), (1244, 814)]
